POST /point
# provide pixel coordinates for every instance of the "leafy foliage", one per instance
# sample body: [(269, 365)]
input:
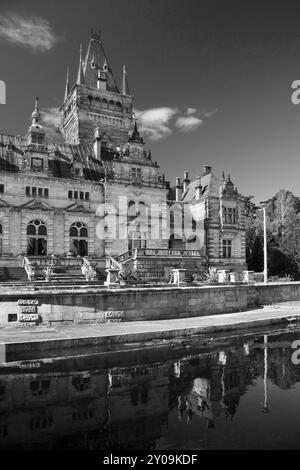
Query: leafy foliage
[(283, 235)]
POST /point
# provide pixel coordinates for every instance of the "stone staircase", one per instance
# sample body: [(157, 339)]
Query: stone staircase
[(61, 275), (155, 265)]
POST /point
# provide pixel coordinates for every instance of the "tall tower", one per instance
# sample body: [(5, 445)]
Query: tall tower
[(94, 107)]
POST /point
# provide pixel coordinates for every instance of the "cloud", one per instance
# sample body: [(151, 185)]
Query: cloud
[(34, 33), (158, 123), (188, 123), (50, 118), (191, 111), (209, 114), (155, 122)]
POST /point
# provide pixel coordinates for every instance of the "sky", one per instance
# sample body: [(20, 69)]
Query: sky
[(211, 79)]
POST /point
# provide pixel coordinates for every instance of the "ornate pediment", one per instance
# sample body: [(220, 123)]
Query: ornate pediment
[(37, 204), (78, 207)]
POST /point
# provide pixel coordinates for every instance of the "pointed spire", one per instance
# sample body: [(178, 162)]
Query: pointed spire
[(125, 87), (80, 75), (96, 35), (36, 126), (149, 155), (223, 175), (67, 89), (36, 113), (135, 135)]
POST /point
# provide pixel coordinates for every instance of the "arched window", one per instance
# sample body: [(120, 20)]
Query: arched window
[(131, 213), (1, 237), (79, 239), (111, 105), (143, 210), (97, 101), (119, 106), (90, 100), (36, 238), (104, 103)]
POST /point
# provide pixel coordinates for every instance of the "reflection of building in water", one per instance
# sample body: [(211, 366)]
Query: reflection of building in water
[(128, 407), (83, 410), (38, 411), (134, 393), (211, 385)]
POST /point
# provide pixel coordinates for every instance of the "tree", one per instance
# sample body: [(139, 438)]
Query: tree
[(283, 234)]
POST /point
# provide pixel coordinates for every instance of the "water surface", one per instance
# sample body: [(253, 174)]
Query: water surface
[(225, 392)]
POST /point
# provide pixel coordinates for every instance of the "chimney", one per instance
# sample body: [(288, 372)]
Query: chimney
[(97, 144), (198, 191), (186, 181), (207, 169), (178, 189)]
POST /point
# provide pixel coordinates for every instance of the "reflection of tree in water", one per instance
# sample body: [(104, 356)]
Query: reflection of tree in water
[(281, 370)]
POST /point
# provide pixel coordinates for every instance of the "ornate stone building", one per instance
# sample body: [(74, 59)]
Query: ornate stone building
[(100, 194)]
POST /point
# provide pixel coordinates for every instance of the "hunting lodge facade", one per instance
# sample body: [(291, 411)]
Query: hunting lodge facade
[(59, 198)]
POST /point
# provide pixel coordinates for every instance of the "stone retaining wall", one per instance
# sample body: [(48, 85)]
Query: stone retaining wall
[(91, 305)]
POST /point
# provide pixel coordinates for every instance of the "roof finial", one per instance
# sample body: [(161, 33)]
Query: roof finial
[(96, 35), (125, 87), (67, 89), (36, 113), (80, 75)]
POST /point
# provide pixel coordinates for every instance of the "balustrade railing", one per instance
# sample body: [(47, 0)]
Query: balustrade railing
[(168, 252)]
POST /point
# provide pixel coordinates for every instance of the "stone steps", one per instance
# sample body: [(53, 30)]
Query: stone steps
[(12, 273)]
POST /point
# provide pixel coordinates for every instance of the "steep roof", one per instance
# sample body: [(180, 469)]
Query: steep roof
[(96, 55), (209, 187)]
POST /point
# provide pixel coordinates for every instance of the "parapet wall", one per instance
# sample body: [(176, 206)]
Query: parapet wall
[(99, 305)]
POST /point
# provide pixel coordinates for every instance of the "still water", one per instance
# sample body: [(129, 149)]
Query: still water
[(222, 392)]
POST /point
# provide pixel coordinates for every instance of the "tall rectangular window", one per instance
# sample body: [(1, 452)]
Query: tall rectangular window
[(40, 192), (227, 248), (81, 195), (230, 215), (46, 192), (87, 196), (70, 194), (138, 175), (133, 174), (33, 191), (1, 188), (27, 190)]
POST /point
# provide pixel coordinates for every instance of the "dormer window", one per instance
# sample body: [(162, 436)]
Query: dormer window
[(93, 65)]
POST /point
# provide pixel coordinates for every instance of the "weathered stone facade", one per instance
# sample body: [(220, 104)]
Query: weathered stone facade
[(99, 193)]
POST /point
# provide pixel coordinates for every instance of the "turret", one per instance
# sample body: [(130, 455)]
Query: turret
[(36, 132)]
